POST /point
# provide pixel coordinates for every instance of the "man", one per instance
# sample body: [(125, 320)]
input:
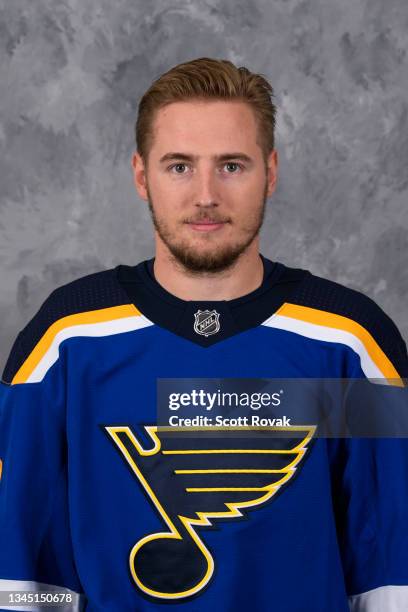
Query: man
[(103, 506)]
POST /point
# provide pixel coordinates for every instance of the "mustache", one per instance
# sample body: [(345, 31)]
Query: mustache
[(207, 219)]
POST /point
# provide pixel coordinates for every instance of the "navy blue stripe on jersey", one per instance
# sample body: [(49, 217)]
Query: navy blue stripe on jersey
[(329, 296), (91, 292)]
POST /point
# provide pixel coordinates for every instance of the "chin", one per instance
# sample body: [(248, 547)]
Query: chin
[(206, 259)]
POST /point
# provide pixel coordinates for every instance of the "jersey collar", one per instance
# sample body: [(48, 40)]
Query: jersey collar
[(207, 322)]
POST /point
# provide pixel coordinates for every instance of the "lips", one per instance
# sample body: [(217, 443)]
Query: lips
[(206, 224)]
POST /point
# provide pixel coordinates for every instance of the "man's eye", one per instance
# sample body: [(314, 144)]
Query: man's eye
[(236, 164), (177, 166)]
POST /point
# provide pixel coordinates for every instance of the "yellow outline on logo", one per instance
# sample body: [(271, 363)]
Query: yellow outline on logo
[(233, 508)]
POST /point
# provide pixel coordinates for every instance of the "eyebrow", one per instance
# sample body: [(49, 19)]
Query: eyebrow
[(218, 158)]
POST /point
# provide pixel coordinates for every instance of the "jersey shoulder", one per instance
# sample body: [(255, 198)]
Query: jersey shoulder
[(333, 305), (97, 294)]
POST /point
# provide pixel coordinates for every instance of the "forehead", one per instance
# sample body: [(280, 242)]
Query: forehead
[(200, 123)]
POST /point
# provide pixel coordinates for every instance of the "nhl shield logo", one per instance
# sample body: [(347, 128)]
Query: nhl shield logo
[(206, 322)]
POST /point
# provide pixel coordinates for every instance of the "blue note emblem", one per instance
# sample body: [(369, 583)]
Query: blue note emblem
[(194, 477)]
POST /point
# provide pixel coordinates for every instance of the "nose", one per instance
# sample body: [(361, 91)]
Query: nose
[(206, 188)]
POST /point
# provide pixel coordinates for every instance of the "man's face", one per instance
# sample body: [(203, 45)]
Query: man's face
[(206, 182)]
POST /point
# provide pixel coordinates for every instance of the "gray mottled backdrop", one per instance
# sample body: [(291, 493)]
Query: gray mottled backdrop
[(72, 72)]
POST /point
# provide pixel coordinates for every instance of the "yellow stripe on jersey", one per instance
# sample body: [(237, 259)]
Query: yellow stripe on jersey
[(92, 317), (331, 327)]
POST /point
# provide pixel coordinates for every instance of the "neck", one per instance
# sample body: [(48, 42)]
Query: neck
[(244, 276)]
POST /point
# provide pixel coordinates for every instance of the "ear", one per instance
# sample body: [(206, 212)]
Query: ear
[(272, 171), (139, 175)]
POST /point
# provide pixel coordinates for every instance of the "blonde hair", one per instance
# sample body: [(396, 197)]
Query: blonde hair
[(208, 78)]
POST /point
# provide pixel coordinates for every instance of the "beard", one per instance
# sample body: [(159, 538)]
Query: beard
[(222, 256)]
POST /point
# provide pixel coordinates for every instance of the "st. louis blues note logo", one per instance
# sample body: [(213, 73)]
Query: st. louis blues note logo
[(207, 322), (194, 478)]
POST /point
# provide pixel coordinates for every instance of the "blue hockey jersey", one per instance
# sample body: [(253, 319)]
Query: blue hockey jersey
[(98, 505)]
